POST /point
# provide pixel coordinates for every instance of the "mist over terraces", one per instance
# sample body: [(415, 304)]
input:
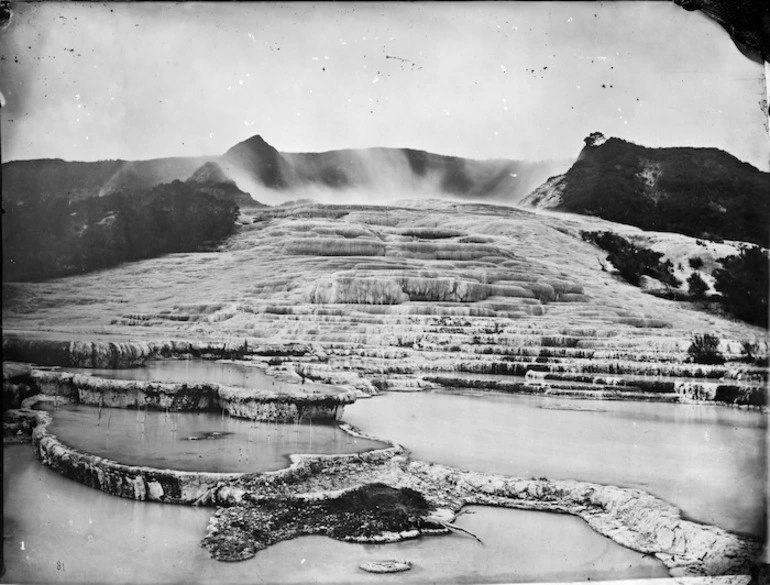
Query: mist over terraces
[(269, 176)]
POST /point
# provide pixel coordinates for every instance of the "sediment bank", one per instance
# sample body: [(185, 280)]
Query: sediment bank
[(248, 403), (127, 354), (602, 388), (588, 378)]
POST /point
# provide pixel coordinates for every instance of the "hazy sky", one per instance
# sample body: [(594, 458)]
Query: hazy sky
[(512, 79)]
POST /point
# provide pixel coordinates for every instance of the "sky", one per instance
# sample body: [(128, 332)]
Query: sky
[(521, 80)]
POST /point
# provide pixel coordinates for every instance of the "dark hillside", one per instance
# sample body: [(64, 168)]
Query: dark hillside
[(49, 237), (700, 192), (74, 181), (56, 177)]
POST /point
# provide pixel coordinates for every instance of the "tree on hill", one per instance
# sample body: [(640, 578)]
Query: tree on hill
[(697, 286), (595, 139), (743, 283)]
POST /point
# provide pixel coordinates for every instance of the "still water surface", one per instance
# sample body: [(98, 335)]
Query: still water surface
[(707, 460), (57, 530), (196, 441), (186, 372)]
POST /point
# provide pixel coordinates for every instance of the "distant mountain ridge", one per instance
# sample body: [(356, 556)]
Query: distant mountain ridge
[(261, 170), (700, 192)]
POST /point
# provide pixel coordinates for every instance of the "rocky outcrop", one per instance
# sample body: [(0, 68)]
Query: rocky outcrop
[(725, 393), (77, 353), (326, 374), (15, 384), (18, 424), (267, 406), (548, 195), (389, 566), (127, 354)]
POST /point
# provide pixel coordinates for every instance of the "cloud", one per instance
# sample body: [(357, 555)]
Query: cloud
[(154, 79)]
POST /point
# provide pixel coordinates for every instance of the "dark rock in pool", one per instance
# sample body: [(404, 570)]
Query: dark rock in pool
[(373, 512), (386, 566), (213, 435)]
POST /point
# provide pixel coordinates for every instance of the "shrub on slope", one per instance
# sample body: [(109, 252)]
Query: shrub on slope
[(631, 261), (704, 349), (743, 281)]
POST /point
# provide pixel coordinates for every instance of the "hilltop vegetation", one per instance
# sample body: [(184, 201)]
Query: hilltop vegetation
[(46, 237)]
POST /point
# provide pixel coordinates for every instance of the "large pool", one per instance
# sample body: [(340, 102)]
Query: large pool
[(57, 530), (710, 461), (196, 441), (707, 460)]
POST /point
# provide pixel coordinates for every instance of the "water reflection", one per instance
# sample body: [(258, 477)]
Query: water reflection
[(707, 460), (196, 441), (73, 533)]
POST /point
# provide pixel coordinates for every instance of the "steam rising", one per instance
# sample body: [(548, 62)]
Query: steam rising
[(372, 176), (377, 175)]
